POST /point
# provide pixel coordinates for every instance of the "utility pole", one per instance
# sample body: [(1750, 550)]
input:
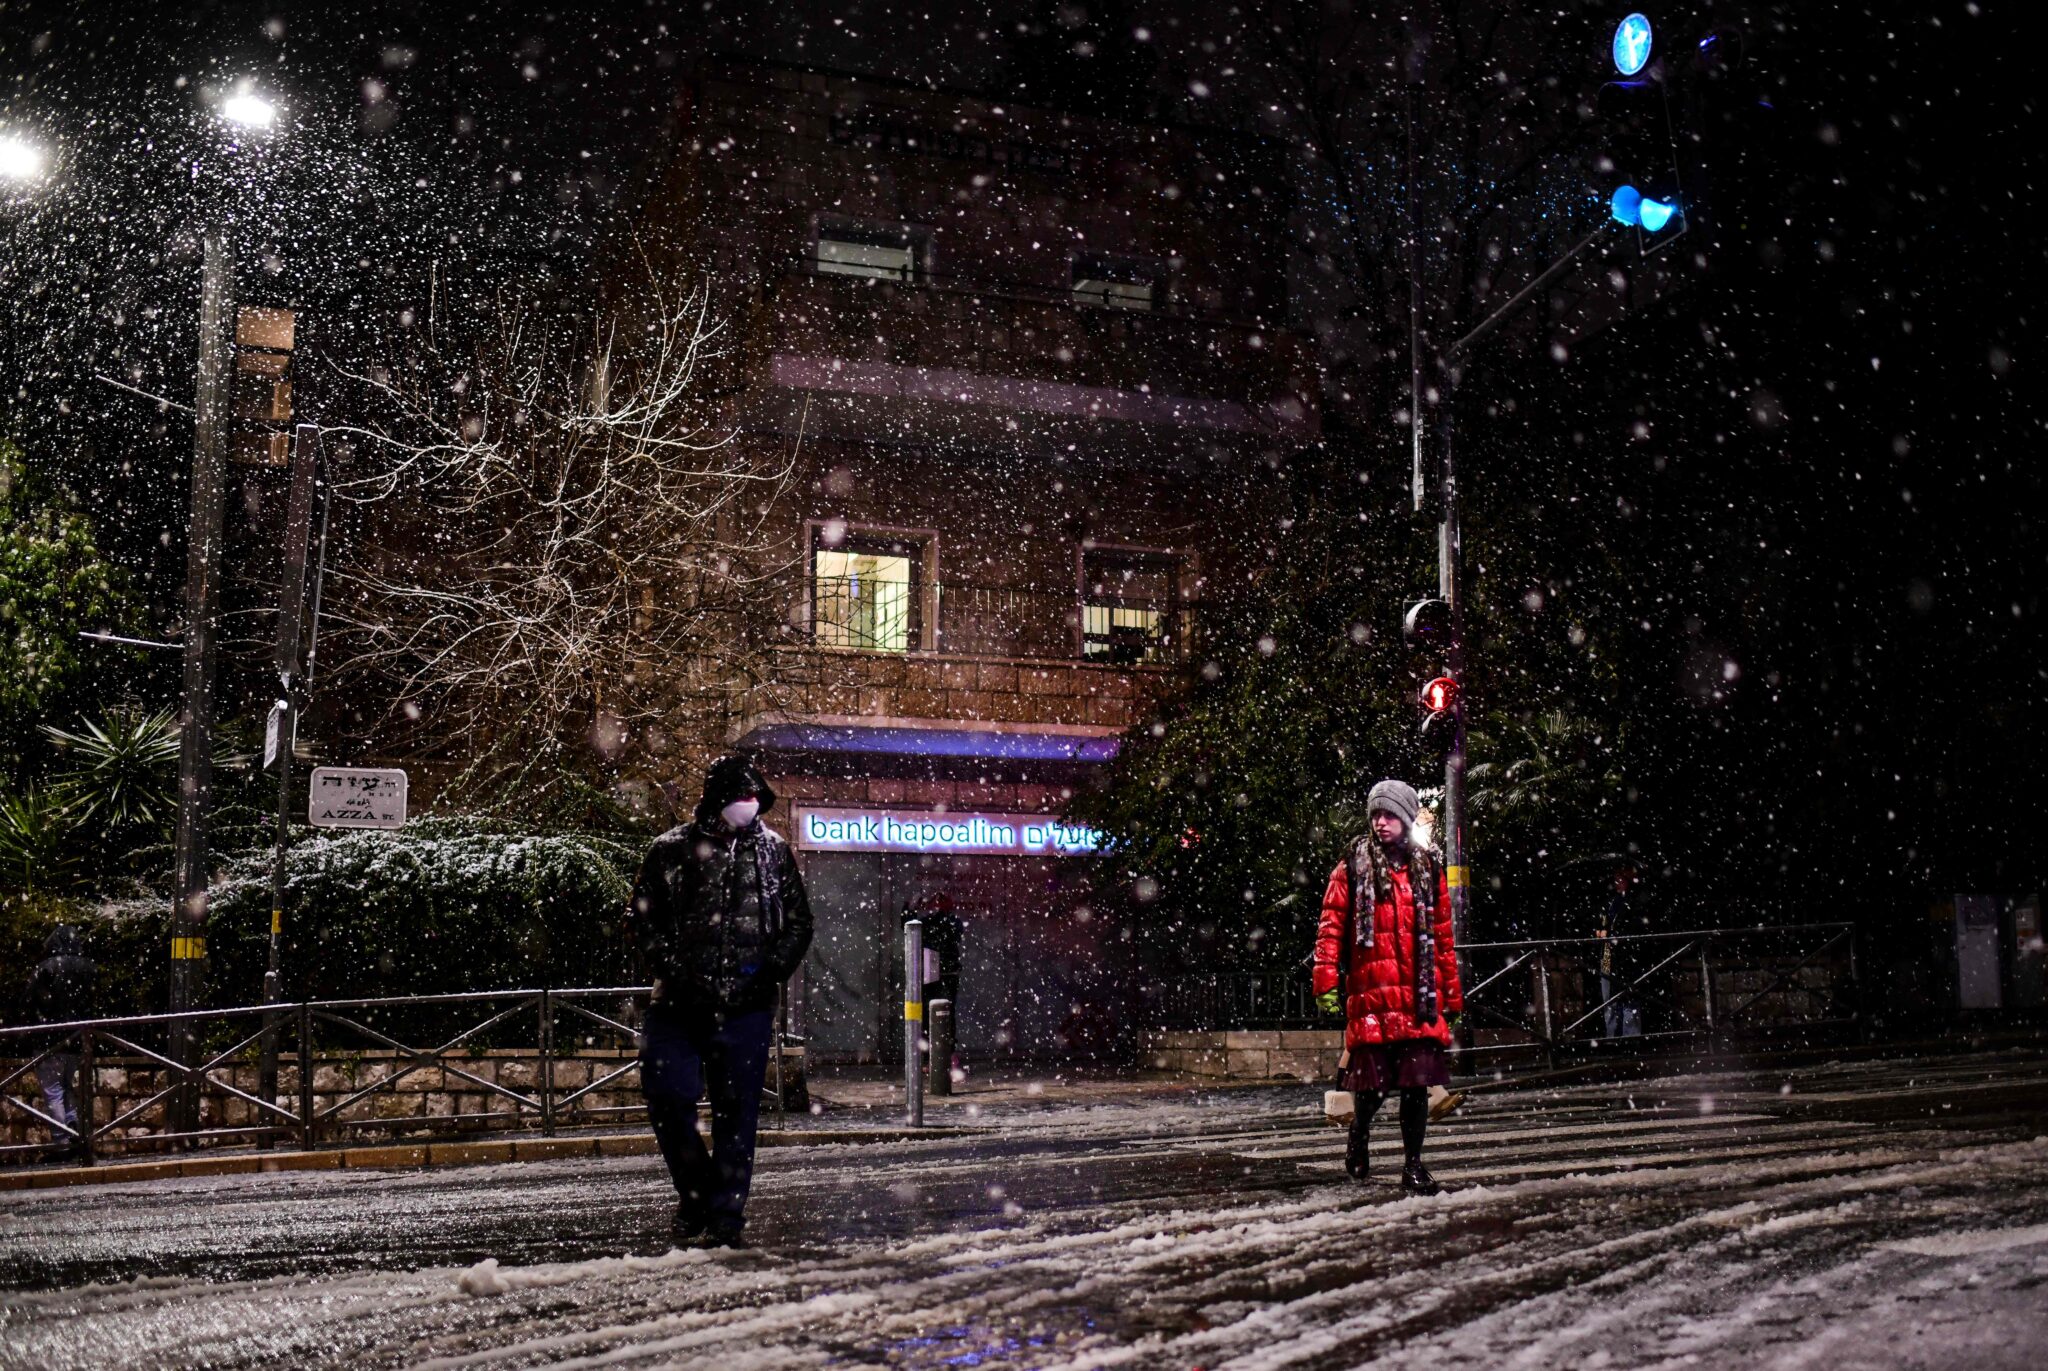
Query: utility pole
[(291, 610), (1451, 591), (202, 604)]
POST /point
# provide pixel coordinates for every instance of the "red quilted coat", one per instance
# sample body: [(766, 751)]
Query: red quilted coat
[(1379, 998)]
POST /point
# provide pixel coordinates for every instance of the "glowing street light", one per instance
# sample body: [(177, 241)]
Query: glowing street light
[(20, 160), (249, 110)]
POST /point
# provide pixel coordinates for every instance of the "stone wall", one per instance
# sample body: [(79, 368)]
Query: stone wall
[(1305, 1055)]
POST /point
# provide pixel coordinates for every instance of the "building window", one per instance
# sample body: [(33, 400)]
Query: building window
[(1130, 606), (1116, 283), (876, 252), (867, 593)]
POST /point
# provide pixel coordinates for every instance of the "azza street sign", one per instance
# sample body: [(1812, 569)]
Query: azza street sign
[(356, 797)]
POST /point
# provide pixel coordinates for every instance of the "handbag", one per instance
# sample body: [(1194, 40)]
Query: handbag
[(1340, 1106)]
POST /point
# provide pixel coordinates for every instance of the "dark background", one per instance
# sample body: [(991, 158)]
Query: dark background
[(1812, 469)]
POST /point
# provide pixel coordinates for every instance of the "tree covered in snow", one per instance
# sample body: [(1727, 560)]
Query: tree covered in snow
[(54, 585)]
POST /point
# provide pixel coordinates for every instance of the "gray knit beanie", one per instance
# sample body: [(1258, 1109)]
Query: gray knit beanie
[(1398, 798)]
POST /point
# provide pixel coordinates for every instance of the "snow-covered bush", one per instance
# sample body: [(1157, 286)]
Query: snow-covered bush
[(443, 905)]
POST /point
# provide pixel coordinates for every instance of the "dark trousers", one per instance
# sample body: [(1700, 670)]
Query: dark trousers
[(687, 1058), (1414, 1124)]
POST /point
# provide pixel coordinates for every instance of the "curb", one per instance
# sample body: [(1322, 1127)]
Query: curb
[(418, 1156)]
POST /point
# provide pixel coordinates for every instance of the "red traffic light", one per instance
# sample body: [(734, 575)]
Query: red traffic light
[(1439, 695)]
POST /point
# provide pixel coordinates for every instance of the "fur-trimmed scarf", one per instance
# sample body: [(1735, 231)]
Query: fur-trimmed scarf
[(1371, 883)]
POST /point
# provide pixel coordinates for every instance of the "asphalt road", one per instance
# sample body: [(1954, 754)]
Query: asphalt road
[(1880, 1214)]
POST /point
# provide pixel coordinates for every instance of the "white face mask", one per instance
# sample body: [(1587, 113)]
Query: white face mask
[(740, 813)]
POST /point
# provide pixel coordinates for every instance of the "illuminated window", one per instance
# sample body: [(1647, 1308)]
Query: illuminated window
[(1130, 606), (885, 254), (867, 593)]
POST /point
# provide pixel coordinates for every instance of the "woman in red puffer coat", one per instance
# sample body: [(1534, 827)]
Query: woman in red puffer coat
[(1393, 975)]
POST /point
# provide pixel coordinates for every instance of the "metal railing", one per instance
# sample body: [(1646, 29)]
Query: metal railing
[(970, 619), (306, 1059), (1548, 996)]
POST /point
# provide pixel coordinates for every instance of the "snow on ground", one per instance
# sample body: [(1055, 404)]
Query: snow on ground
[(1853, 1222)]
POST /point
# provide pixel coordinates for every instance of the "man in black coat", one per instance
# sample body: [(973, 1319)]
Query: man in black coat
[(722, 921), (60, 991)]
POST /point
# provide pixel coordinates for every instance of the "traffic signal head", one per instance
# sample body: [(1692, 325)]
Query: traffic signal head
[(1439, 715), (1637, 166), (1638, 162), (1630, 206), (1427, 623)]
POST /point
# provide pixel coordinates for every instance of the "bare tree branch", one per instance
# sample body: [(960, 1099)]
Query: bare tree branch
[(560, 535)]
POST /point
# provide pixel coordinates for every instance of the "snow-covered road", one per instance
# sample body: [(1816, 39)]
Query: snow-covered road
[(1853, 1215)]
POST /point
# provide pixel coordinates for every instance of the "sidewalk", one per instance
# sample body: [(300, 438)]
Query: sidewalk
[(854, 1105), (989, 1093)]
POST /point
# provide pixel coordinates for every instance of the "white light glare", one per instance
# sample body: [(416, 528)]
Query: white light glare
[(249, 110), (20, 160)]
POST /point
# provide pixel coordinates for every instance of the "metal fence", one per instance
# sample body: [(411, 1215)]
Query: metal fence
[(1550, 995), (294, 1071)]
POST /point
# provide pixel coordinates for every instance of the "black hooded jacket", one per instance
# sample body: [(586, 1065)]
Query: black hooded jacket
[(720, 915), (60, 988)]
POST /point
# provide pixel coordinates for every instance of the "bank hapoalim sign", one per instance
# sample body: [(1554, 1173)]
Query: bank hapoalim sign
[(971, 834)]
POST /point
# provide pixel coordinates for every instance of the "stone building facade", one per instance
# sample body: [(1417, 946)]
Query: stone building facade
[(1031, 368)]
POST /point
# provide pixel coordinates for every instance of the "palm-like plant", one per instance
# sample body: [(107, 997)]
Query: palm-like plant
[(123, 770), (35, 842), (1551, 760)]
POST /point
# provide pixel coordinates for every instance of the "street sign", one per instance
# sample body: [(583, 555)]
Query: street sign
[(356, 797), (1631, 44)]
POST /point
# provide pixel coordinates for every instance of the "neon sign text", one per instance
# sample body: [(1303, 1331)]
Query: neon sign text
[(989, 835)]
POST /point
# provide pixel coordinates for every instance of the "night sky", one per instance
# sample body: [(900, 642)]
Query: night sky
[(1823, 452)]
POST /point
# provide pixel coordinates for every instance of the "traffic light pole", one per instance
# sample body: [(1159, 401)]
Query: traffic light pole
[(1450, 588), (1451, 591), (202, 603)]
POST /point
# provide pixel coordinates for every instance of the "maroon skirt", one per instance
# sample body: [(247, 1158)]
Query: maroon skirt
[(1380, 1067)]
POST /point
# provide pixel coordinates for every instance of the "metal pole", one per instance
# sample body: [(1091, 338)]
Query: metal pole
[(291, 612), (913, 1021), (320, 573), (1449, 547), (306, 1122), (781, 1042), (941, 1069), (202, 604), (547, 1064), (88, 1086), (1706, 985), (1543, 1003), (1521, 297), (1415, 427)]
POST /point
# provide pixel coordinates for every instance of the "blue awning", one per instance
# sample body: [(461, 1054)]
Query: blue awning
[(911, 741)]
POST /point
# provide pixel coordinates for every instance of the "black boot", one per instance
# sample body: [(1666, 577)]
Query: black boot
[(1367, 1104), (689, 1223), (1356, 1162), (1415, 1177)]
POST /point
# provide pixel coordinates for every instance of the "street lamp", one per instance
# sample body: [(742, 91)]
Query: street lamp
[(242, 109), (248, 110), (21, 161)]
